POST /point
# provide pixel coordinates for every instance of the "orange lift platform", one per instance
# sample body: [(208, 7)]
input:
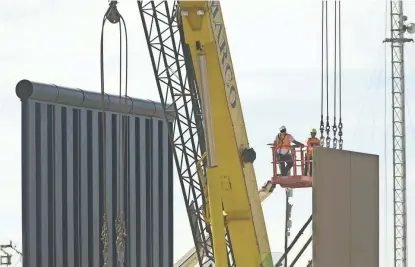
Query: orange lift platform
[(297, 176)]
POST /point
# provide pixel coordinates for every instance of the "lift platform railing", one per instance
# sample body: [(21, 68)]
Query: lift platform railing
[(301, 163), (300, 173)]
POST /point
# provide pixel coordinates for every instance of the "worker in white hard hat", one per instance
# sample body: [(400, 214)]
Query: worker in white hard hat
[(283, 144), (312, 142)]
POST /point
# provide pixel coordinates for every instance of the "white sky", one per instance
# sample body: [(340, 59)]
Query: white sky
[(276, 54)]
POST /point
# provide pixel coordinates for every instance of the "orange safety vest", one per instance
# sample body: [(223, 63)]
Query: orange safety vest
[(283, 141), (311, 143)]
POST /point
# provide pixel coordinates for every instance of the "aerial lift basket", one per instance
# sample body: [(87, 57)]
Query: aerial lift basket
[(299, 176)]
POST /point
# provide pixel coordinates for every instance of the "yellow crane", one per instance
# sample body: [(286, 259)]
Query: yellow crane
[(231, 182)]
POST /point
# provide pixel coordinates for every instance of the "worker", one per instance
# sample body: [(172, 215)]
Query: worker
[(283, 144), (312, 142)]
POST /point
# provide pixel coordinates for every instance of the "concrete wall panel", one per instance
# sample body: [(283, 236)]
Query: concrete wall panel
[(365, 210), (345, 209), (63, 179)]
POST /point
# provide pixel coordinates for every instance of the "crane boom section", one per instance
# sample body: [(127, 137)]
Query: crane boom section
[(204, 32)]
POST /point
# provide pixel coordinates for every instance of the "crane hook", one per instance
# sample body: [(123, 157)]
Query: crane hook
[(112, 14)]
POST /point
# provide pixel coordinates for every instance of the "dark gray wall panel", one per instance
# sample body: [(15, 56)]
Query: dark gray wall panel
[(63, 181)]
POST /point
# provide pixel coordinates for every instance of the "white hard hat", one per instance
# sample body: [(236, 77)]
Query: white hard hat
[(282, 128)]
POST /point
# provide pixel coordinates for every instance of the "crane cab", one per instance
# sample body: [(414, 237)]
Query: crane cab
[(299, 175)]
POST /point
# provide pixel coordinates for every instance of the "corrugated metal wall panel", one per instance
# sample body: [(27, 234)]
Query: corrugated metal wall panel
[(62, 183)]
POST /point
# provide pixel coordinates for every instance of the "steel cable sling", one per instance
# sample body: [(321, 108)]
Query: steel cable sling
[(337, 96), (114, 17)]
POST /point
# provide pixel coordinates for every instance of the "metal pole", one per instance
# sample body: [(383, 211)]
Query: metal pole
[(288, 208), (287, 218), (397, 41)]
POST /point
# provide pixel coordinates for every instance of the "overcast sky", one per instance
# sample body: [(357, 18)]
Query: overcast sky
[(275, 48)]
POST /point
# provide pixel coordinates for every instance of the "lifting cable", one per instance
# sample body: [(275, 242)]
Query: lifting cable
[(337, 96), (114, 17), (335, 77), (327, 78), (322, 77), (340, 85)]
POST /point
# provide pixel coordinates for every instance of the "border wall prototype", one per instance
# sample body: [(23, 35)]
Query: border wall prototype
[(62, 178), (345, 209)]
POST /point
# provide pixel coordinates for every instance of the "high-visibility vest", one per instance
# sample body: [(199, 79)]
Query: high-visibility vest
[(312, 142), (283, 141)]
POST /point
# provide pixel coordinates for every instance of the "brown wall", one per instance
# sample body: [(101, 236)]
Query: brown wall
[(345, 209)]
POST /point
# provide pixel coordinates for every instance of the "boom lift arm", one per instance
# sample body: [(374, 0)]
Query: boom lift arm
[(230, 175)]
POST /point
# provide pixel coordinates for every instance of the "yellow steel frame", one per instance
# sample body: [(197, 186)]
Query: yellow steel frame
[(232, 187)]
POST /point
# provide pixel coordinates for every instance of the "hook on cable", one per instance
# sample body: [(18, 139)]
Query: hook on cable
[(112, 14)]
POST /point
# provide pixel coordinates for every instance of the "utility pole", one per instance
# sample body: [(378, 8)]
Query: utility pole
[(6, 257), (288, 222), (398, 40)]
